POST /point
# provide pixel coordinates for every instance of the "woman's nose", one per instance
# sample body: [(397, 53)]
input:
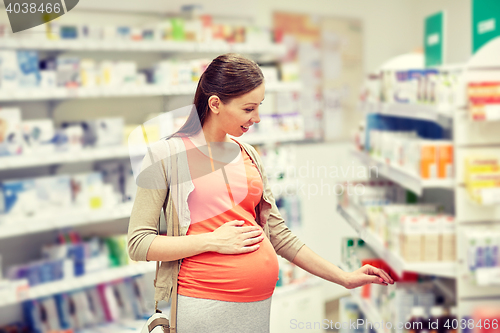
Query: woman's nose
[(256, 118)]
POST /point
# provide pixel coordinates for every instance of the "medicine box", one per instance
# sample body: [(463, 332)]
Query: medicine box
[(10, 132)]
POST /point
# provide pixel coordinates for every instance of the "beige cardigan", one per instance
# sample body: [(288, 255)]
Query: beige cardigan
[(143, 226)]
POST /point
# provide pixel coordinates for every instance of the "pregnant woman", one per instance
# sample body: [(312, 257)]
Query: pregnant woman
[(230, 228)]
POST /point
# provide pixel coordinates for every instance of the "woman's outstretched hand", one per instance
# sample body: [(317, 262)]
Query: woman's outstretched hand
[(366, 275), (232, 238)]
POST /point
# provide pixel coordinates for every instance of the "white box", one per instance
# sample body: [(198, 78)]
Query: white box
[(10, 132), (412, 238), (432, 238), (9, 70), (448, 236), (37, 135)]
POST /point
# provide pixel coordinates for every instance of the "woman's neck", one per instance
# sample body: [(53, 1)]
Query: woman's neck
[(213, 134)]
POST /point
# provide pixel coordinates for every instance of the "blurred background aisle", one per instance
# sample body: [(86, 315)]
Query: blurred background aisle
[(379, 134)]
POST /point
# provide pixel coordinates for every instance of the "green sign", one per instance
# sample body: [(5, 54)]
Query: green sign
[(485, 22), (434, 40)]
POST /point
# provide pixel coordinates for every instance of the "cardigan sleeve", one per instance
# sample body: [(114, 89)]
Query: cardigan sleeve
[(150, 197), (284, 241)]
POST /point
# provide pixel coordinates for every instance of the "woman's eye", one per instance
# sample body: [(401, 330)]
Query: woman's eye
[(249, 110)]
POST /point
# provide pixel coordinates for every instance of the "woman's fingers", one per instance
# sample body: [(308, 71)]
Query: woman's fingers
[(379, 274), (248, 249), (383, 275), (252, 234), (235, 223), (252, 241), (386, 277), (245, 230), (377, 280)]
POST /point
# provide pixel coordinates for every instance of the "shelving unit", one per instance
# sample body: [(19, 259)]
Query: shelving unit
[(413, 111), (78, 156), (70, 218), (355, 219), (469, 138), (270, 138), (123, 91), (85, 281), (23, 228), (401, 176), (475, 138), (306, 283), (139, 46)]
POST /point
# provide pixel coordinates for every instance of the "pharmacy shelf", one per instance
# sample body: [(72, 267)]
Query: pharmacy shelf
[(401, 176), (371, 313), (85, 281), (140, 46), (14, 227), (356, 219), (76, 156), (307, 282), (488, 276), (29, 94), (269, 138), (413, 111)]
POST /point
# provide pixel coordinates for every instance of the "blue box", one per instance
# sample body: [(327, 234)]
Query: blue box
[(29, 73), (20, 197)]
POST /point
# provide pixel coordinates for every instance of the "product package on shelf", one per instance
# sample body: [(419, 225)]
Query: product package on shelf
[(353, 252), (119, 175), (429, 159), (20, 199), (10, 132), (188, 27), (482, 179), (484, 101), (40, 138), (53, 195), (99, 132), (38, 135), (425, 238), (59, 196), (435, 87), (483, 261), (29, 73), (417, 232), (350, 312), (70, 257), (176, 72), (117, 305), (290, 209), (9, 70)]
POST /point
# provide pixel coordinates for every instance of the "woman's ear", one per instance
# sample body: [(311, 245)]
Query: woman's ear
[(214, 103)]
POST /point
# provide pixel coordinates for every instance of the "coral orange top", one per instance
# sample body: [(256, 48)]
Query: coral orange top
[(226, 194)]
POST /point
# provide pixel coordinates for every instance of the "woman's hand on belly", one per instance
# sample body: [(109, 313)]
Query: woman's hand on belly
[(232, 238)]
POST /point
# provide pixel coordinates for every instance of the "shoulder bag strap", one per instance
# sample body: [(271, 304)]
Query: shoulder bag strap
[(175, 233)]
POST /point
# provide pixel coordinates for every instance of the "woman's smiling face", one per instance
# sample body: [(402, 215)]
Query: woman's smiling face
[(240, 113)]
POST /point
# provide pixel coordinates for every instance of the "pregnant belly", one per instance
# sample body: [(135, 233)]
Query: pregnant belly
[(245, 277)]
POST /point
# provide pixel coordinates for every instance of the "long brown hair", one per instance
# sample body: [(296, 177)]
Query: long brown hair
[(228, 76)]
